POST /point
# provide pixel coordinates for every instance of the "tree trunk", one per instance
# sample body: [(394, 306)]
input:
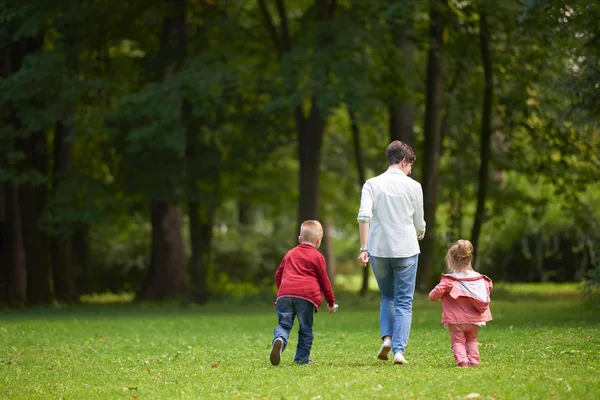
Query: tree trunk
[(31, 198), (62, 245), (81, 247), (201, 210), (166, 277), (402, 111), (431, 157), (244, 213), (486, 131), (3, 247), (310, 130), (364, 288), (310, 140), (17, 269), (32, 201), (327, 248), (201, 240)]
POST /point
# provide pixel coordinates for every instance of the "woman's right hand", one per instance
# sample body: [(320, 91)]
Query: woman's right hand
[(363, 257)]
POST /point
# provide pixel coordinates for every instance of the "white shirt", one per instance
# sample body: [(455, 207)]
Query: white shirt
[(393, 204)]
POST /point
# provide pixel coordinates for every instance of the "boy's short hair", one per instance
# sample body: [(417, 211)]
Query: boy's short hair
[(398, 151), (311, 230)]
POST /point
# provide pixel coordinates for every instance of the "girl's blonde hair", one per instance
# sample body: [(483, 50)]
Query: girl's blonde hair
[(459, 257)]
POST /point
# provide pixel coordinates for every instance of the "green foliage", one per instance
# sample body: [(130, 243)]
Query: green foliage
[(133, 125), (165, 350), (251, 256), (119, 254), (590, 289)]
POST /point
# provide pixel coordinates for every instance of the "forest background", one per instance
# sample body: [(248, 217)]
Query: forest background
[(170, 148)]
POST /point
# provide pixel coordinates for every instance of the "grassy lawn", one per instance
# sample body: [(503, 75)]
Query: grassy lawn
[(542, 343)]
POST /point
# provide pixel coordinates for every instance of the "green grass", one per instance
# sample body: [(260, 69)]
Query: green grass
[(541, 344)]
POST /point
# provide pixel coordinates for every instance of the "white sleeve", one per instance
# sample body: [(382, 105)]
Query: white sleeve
[(366, 204), (418, 218)]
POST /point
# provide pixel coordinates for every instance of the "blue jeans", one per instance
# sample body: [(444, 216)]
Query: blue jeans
[(287, 309), (396, 280)]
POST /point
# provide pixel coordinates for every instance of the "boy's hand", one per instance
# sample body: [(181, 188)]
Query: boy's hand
[(333, 309)]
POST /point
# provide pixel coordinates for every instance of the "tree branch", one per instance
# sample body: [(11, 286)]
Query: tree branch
[(286, 41), (270, 25), (331, 9)]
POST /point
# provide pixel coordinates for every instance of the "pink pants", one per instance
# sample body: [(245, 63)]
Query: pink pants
[(464, 344)]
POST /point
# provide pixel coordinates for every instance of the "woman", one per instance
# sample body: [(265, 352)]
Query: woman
[(391, 223)]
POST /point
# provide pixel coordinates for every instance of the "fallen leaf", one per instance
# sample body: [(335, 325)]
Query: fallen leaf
[(572, 362), (215, 366), (379, 387), (148, 370), (135, 396), (473, 396), (125, 388)]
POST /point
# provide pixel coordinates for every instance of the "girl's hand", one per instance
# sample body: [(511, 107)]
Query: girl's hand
[(363, 257)]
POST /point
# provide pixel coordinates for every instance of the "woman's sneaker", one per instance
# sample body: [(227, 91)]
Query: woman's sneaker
[(399, 359), (276, 351), (384, 350)]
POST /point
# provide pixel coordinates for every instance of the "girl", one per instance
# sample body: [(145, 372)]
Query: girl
[(465, 298)]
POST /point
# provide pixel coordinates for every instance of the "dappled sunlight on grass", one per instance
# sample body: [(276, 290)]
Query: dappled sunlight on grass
[(546, 288), (107, 298), (353, 283)]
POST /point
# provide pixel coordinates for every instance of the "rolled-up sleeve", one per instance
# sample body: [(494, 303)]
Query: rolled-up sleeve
[(366, 204), (418, 218)]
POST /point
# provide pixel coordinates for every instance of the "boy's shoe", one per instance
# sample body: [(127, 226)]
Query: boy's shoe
[(384, 350), (276, 351), (399, 359)]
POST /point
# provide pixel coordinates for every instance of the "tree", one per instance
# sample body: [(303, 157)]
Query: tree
[(310, 126), (166, 277), (402, 109), (431, 156), (486, 128)]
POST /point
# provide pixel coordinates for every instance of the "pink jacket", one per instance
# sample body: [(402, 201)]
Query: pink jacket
[(464, 300)]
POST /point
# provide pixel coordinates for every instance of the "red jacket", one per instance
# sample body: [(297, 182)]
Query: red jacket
[(465, 299), (303, 274)]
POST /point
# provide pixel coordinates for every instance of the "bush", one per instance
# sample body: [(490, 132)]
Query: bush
[(249, 257), (119, 256), (591, 286)]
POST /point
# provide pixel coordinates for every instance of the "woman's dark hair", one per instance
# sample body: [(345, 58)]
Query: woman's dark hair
[(398, 151)]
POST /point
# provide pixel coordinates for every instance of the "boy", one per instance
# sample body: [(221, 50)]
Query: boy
[(300, 279)]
